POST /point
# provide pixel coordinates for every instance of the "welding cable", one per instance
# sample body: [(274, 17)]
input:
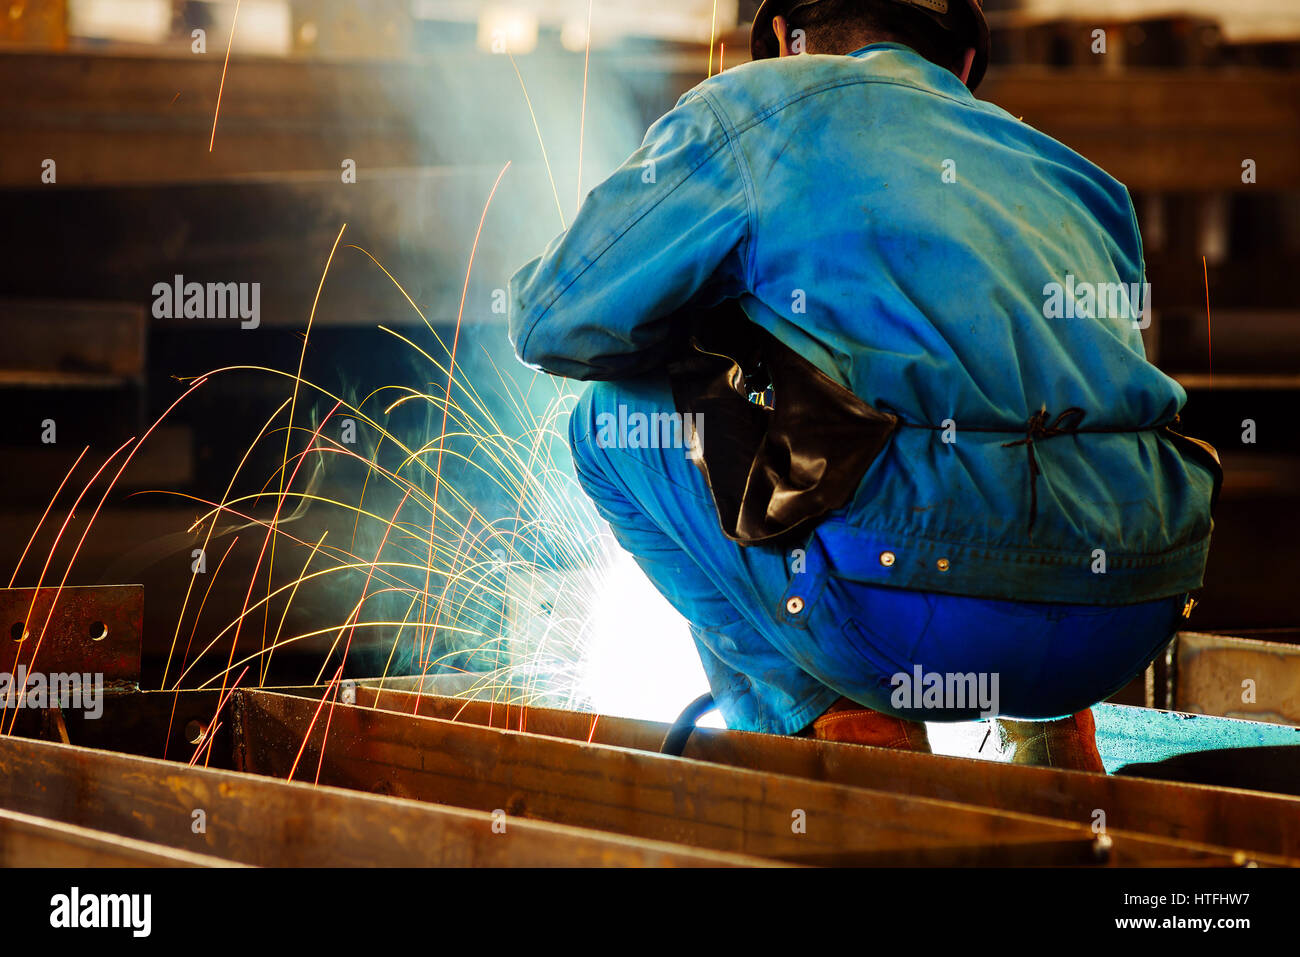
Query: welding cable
[(677, 736)]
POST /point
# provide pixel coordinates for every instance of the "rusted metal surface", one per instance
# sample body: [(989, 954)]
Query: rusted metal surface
[(456, 683), (100, 112), (264, 822), (575, 725), (30, 841), (72, 343), (152, 724), (1237, 678), (638, 796), (1226, 817), (653, 796), (56, 729), (94, 629), (38, 24), (1171, 142)]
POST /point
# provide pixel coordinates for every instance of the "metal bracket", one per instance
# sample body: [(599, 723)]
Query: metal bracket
[(93, 628)]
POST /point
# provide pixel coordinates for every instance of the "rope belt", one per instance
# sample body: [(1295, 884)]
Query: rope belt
[(1040, 427)]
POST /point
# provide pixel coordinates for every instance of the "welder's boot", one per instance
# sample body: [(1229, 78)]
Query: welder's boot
[(1069, 743), (849, 722)]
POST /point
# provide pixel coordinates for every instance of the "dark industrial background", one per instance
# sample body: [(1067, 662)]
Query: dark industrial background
[(1173, 109)]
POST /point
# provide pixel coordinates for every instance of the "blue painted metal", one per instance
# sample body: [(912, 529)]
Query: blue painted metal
[(1128, 735)]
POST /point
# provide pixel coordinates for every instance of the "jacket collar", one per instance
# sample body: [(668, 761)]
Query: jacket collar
[(918, 69)]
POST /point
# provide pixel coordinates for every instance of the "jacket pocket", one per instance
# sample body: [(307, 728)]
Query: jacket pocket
[(844, 601), (776, 467)]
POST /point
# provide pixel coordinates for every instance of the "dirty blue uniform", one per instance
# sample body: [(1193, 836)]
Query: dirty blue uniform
[(910, 241)]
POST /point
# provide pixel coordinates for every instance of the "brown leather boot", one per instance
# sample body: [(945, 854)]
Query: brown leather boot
[(1069, 743), (849, 722)]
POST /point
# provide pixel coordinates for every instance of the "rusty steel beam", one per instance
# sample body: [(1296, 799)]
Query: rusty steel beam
[(1236, 678), (1173, 130), (263, 822), (1224, 817), (70, 343), (394, 695), (93, 629), (151, 724), (658, 797), (102, 115), (30, 841)]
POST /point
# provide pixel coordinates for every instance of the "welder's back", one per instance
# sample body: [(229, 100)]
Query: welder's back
[(946, 262)]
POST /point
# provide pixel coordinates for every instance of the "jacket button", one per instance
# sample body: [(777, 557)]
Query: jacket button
[(887, 558), (794, 604), (943, 564)]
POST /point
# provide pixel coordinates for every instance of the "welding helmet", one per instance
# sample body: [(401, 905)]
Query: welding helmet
[(945, 13)]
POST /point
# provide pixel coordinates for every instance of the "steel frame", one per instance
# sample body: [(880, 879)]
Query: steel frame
[(412, 779)]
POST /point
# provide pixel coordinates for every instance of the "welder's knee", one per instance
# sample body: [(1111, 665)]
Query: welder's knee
[(590, 458), (625, 446), (595, 398)]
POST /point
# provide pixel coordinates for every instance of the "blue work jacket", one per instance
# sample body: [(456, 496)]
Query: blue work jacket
[(946, 262)]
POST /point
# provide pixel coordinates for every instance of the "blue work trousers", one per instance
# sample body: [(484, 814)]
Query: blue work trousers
[(783, 632)]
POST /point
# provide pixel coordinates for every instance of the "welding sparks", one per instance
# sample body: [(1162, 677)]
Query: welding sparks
[(307, 737), (222, 87), (293, 404), (546, 160), (46, 514), (505, 599), (185, 657), (582, 123), (482, 567), (713, 33), (205, 740), (1209, 332)]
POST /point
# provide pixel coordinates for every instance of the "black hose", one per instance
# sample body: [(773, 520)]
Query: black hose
[(677, 736)]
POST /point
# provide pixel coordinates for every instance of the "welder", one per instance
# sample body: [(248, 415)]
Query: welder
[(903, 464)]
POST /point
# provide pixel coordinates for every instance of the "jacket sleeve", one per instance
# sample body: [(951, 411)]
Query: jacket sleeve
[(667, 230)]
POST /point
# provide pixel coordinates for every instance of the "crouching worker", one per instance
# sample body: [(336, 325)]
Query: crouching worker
[(925, 472)]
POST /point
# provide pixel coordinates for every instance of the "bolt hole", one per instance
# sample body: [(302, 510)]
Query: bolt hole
[(194, 732), (98, 631)]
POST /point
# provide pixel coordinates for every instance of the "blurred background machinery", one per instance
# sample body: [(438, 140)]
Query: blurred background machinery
[(117, 172)]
